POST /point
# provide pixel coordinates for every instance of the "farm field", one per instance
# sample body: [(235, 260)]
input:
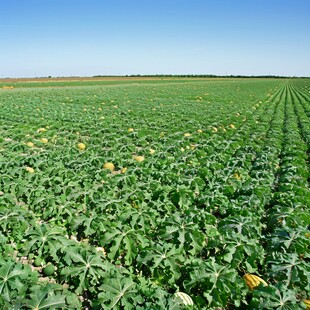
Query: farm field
[(155, 194)]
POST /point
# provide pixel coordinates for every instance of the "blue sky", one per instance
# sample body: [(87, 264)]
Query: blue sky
[(119, 37)]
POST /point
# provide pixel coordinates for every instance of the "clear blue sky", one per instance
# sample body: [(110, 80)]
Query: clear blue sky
[(119, 37)]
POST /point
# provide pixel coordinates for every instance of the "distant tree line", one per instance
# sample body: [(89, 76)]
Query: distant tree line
[(205, 76)]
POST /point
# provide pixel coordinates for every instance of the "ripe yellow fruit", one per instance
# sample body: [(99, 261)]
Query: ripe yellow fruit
[(43, 140), (199, 131), (253, 281), (307, 303), (124, 170), (151, 151), (214, 129), (109, 166), (187, 134), (29, 169), (232, 126), (30, 144), (138, 158), (130, 130), (81, 146), (237, 176), (41, 130)]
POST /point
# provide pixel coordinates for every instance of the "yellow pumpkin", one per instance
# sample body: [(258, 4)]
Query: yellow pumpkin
[(29, 169), (307, 303), (81, 146), (253, 281), (138, 158), (109, 166)]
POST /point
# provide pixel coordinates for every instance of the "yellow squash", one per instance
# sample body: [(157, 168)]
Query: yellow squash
[(307, 303), (81, 146), (109, 166), (253, 281)]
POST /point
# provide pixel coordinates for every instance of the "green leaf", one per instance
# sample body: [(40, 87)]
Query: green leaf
[(86, 268), (119, 292), (12, 279), (275, 297), (45, 298)]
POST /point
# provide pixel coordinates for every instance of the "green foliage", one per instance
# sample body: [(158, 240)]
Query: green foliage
[(84, 269), (12, 276), (221, 189)]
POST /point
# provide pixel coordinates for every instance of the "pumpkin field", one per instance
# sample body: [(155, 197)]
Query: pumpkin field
[(159, 193)]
